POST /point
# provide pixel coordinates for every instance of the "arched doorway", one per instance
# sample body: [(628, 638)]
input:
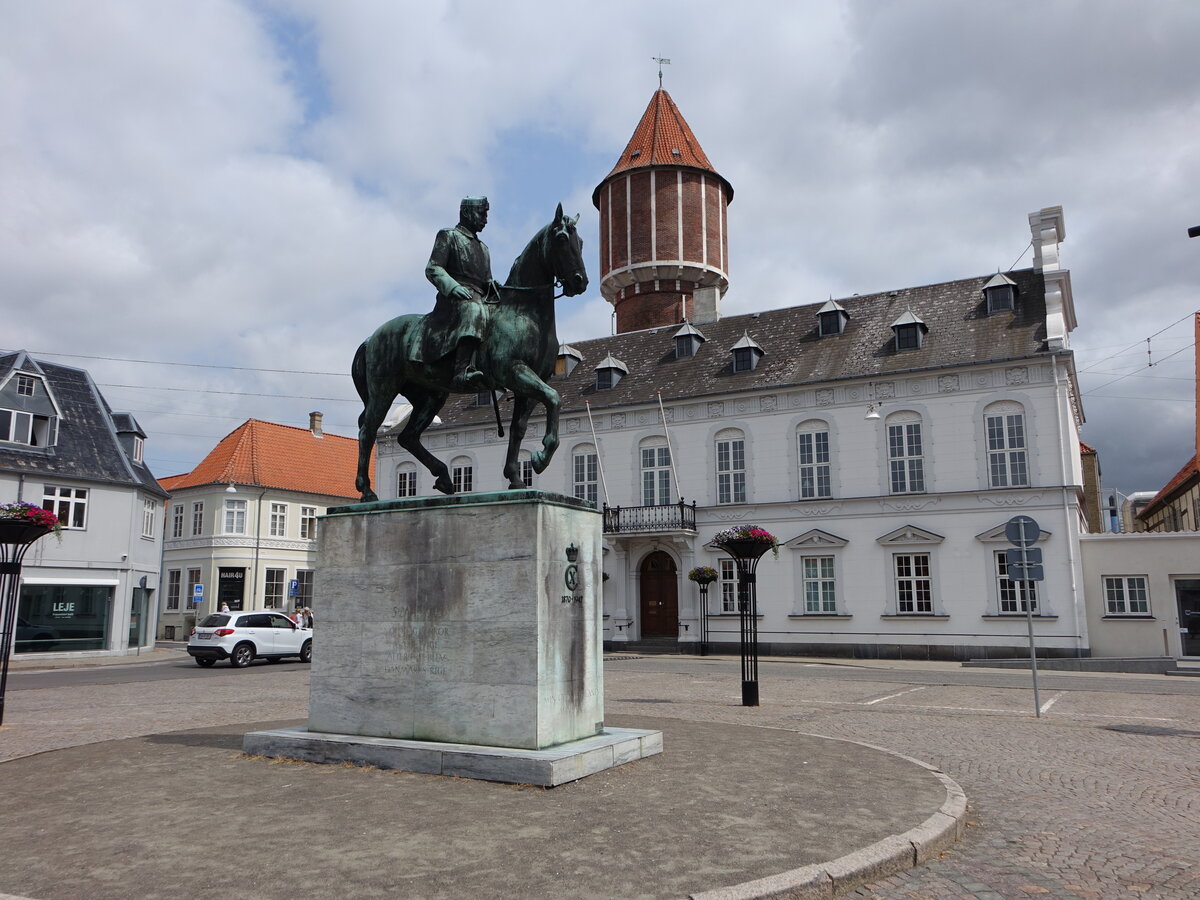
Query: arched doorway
[(659, 586)]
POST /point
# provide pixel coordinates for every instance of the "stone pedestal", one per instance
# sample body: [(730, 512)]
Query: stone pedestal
[(459, 620)]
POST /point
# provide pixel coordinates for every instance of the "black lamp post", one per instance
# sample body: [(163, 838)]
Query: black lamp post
[(16, 535), (746, 553)]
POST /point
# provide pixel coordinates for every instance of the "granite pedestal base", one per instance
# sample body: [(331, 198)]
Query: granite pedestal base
[(547, 768)]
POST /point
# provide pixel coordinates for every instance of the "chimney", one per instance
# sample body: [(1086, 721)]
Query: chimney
[(706, 305), (314, 423)]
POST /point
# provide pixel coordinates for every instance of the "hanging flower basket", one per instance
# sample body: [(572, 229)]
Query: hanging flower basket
[(747, 541), (703, 575), (23, 523)]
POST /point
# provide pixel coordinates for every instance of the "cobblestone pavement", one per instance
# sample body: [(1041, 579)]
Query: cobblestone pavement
[(1100, 798)]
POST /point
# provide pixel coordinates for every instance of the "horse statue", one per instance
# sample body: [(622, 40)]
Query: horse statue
[(517, 353)]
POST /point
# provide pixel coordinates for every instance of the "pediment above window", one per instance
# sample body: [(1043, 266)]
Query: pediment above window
[(996, 535), (815, 537), (909, 534)]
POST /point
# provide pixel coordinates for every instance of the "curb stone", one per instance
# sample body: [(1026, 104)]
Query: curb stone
[(898, 853)]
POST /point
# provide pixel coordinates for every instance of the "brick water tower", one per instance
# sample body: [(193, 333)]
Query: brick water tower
[(664, 241)]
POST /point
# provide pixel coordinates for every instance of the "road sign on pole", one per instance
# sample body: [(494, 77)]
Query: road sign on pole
[(1022, 531), (197, 595)]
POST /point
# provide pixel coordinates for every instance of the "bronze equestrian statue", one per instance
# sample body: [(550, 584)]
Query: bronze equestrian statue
[(480, 336)]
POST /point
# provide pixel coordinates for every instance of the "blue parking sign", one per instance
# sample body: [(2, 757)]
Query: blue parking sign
[(198, 594), (293, 588)]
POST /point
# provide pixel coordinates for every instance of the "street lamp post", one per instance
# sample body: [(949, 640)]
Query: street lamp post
[(746, 554), (16, 536)]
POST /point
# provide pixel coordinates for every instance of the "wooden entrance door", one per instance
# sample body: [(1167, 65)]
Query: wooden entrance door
[(659, 596)]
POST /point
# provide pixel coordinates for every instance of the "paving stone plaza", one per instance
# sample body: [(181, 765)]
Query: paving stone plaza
[(1099, 798)]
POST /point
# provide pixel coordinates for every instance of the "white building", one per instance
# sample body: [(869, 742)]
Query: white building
[(62, 448), (243, 524), (885, 439)]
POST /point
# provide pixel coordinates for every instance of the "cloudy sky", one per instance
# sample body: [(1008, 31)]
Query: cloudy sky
[(251, 187)]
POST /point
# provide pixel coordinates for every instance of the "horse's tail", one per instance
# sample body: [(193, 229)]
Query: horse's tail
[(358, 372)]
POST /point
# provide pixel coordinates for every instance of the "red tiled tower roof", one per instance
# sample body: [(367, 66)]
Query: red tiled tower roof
[(264, 454), (663, 224), (663, 138)]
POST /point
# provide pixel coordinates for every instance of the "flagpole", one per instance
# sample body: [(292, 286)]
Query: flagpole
[(670, 450), (599, 457)]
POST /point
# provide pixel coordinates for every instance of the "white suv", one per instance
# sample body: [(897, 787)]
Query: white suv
[(241, 636)]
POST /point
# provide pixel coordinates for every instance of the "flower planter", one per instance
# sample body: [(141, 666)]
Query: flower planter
[(745, 548), (19, 531)]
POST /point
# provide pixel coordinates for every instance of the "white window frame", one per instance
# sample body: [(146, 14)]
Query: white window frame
[(1007, 451), (197, 517), (69, 504), (1126, 595), (177, 520), (308, 523), (1012, 597), (912, 575), (655, 462), (815, 467), (727, 570), (278, 520), (731, 470), (174, 579), (462, 472), (818, 585), (304, 587), (275, 588), (19, 427), (149, 517), (235, 517), (139, 448), (406, 480), (26, 385), (585, 467), (906, 458), (193, 579), (527, 473)]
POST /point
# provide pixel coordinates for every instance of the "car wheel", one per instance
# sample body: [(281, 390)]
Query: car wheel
[(206, 663), (306, 652), (242, 656)]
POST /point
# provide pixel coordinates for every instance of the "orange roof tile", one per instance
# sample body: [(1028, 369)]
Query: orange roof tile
[(264, 454), (663, 138), (1190, 469), (1086, 448)]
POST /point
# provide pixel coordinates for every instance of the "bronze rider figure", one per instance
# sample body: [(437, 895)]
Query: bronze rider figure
[(460, 267)]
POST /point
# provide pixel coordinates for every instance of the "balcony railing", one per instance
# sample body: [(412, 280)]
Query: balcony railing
[(650, 519)]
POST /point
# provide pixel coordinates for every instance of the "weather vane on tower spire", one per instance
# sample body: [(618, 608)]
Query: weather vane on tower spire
[(661, 62)]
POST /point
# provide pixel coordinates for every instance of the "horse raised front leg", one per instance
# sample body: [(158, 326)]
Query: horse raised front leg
[(426, 405), (527, 383)]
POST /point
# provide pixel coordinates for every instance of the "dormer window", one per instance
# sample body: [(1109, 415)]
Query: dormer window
[(831, 319), (25, 386), (609, 373), (909, 330), (687, 342), (746, 354), (19, 427), (568, 358), (483, 398), (139, 448), (1000, 293)]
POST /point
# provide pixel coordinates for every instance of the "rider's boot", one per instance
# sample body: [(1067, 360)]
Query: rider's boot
[(466, 376)]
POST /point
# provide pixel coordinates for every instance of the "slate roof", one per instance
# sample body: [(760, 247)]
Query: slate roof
[(283, 457), (86, 447), (663, 138), (960, 333)]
